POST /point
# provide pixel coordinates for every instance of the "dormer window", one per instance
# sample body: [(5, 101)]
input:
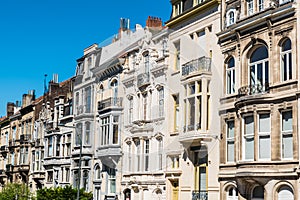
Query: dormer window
[(230, 17), (177, 8)]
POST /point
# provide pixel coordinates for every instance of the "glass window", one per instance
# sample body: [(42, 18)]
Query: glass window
[(230, 76), (286, 60), (230, 141), (285, 193), (78, 134), (160, 151), (50, 146), (264, 136), (87, 132), (260, 5), (130, 113), (85, 179), (259, 70), (287, 134), (250, 7), (161, 102), (88, 100), (249, 137), (104, 128), (146, 143), (176, 112), (115, 125), (232, 193), (230, 18), (97, 172), (258, 192)]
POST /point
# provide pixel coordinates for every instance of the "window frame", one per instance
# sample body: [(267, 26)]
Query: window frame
[(230, 140), (249, 136), (230, 76), (286, 133), (264, 134), (289, 62)]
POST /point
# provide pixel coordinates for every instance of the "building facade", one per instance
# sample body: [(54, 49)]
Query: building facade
[(195, 59), (259, 151)]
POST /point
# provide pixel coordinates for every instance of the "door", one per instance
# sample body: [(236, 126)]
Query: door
[(175, 190)]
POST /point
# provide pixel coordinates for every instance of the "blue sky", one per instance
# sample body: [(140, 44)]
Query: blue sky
[(45, 37)]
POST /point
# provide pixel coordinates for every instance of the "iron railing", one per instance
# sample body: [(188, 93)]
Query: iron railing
[(253, 89), (143, 79), (110, 102), (202, 64), (199, 195)]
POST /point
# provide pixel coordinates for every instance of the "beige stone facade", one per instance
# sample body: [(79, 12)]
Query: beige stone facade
[(259, 150)]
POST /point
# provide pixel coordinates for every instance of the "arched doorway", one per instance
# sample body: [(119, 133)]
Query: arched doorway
[(285, 193)]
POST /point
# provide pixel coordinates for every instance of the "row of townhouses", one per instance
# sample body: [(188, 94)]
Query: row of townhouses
[(204, 107)]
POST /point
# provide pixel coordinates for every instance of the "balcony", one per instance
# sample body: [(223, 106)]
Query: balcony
[(110, 103), (12, 143), (199, 195), (200, 65), (38, 175), (25, 138), (143, 80), (9, 168), (253, 89), (4, 149)]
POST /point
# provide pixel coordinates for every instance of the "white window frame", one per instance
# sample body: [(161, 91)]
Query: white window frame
[(234, 195), (286, 133), (245, 136), (262, 134), (230, 140), (255, 64), (288, 54), (250, 7), (261, 6), (284, 1), (230, 77), (161, 102), (230, 20)]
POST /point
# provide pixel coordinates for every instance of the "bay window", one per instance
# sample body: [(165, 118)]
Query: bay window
[(248, 131), (264, 136)]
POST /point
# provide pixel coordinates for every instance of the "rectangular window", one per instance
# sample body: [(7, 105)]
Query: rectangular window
[(105, 130), (57, 146), (176, 112), (230, 141), (264, 136), (161, 102), (50, 146), (138, 155), (250, 7), (146, 143), (87, 133), (160, 150), (67, 174), (145, 106), (129, 157), (78, 134), (287, 134), (177, 55), (130, 113), (249, 137), (260, 5), (193, 106), (115, 125), (88, 100), (50, 176), (112, 180)]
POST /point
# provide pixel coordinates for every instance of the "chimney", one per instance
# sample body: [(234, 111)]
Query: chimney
[(124, 27), (10, 109), (154, 22), (27, 98)]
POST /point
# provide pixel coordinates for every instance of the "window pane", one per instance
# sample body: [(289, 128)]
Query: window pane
[(264, 147), (259, 54), (249, 148), (264, 123), (230, 129), (249, 123), (287, 146), (287, 121), (230, 151)]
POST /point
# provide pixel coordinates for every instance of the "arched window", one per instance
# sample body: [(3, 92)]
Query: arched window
[(85, 179), (230, 76), (285, 193), (232, 193), (97, 172), (286, 60), (230, 17), (259, 70), (114, 87), (258, 193)]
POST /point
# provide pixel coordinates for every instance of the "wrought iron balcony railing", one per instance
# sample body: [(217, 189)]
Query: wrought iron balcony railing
[(253, 89), (199, 195), (25, 138), (143, 79), (110, 103), (202, 64)]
